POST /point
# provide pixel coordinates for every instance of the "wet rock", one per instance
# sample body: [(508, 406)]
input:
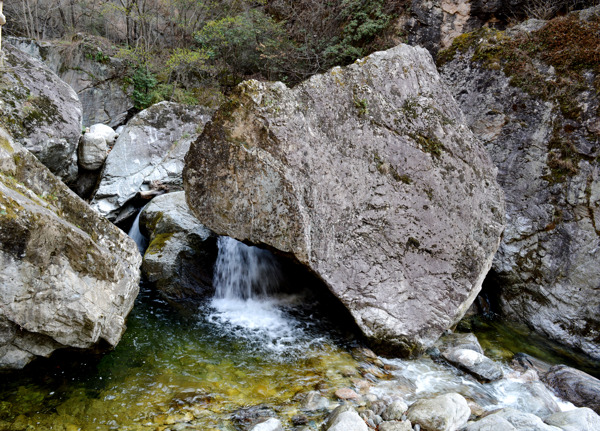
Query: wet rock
[(271, 424), (474, 363), (345, 418), (299, 420), (524, 362), (314, 401), (575, 386), (181, 253), (40, 111), (246, 418), (581, 419), (367, 176), (446, 412), (150, 149), (395, 411), (346, 394), (69, 277), (459, 341), (546, 269)]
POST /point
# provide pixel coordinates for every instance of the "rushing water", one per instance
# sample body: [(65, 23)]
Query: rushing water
[(250, 345), (136, 234)]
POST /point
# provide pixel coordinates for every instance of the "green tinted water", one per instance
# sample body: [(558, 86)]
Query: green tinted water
[(187, 373)]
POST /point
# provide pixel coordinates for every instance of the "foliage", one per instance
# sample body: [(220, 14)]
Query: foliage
[(248, 43), (144, 83), (363, 21)]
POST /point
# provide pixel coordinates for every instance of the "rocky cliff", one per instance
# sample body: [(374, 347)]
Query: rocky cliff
[(531, 95), (369, 177)]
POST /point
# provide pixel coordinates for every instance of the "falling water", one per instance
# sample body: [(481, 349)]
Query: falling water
[(245, 272), (136, 235), (249, 306)]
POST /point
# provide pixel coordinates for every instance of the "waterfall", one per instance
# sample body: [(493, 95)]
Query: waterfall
[(249, 307), (136, 235), (245, 272)]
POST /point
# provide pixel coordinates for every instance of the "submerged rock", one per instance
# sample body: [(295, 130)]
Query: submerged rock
[(575, 386), (474, 363), (447, 412), (366, 175), (69, 277), (181, 254), (40, 111), (149, 149), (540, 121)]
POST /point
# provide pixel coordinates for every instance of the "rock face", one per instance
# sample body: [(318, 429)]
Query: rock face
[(69, 277), (150, 149), (539, 118), (575, 386), (88, 65), (40, 111), (366, 175), (180, 258)]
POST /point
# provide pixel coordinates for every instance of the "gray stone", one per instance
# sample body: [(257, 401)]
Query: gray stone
[(447, 412), (69, 277), (524, 421), (548, 266), (395, 426), (581, 419), (40, 111), (345, 418), (150, 149), (92, 151), (491, 423), (474, 363), (271, 424), (367, 176), (575, 386), (181, 253), (395, 411)]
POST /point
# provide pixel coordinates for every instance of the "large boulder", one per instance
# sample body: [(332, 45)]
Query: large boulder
[(89, 65), (150, 149), (181, 253), (537, 111), (581, 419), (69, 277), (366, 175), (40, 111)]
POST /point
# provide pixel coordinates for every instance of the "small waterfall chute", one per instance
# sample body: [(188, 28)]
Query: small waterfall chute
[(135, 233)]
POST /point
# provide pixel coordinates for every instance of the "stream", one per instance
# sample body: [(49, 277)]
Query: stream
[(248, 347)]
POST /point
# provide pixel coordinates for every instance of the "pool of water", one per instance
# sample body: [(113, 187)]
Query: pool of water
[(196, 371)]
